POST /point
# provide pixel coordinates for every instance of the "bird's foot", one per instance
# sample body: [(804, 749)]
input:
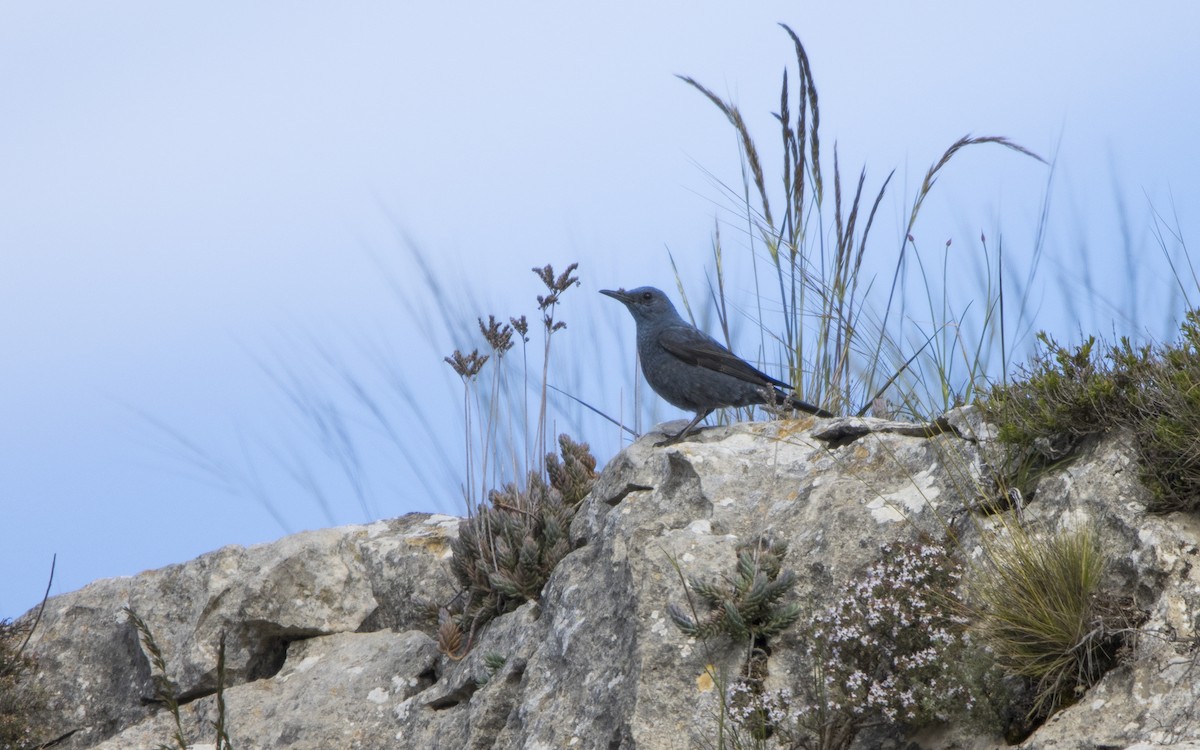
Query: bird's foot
[(672, 439), (677, 437)]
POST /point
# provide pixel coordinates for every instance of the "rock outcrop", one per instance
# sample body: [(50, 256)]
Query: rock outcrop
[(329, 633)]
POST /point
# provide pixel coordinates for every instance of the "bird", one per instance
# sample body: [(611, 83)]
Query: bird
[(689, 369)]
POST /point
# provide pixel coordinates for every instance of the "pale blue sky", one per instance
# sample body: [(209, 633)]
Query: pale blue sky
[(190, 190)]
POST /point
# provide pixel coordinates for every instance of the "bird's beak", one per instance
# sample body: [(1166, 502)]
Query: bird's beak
[(619, 295)]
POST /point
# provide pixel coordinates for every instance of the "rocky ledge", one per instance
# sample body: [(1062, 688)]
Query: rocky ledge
[(329, 634)]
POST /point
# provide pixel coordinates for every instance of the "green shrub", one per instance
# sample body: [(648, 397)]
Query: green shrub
[(1150, 393), (1061, 397), (1166, 410)]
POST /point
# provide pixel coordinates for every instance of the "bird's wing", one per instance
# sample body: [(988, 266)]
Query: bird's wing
[(695, 347)]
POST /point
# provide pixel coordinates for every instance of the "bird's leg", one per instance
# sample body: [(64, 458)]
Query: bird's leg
[(672, 439)]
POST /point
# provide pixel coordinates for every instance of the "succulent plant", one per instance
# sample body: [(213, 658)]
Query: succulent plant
[(506, 550), (747, 606)]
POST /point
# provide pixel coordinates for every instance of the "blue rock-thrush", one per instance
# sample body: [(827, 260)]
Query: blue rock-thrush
[(689, 369)]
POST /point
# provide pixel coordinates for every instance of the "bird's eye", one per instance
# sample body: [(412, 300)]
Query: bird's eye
[(647, 296)]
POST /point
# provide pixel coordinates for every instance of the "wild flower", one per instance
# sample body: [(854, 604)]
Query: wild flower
[(889, 637), (886, 650)]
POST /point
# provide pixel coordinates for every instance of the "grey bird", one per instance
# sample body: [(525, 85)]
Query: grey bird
[(689, 368)]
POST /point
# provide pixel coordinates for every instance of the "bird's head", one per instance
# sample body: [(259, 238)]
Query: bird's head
[(645, 303)]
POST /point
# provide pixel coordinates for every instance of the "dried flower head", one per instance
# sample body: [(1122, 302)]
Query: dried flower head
[(521, 325), (557, 285), (497, 334), (467, 366)]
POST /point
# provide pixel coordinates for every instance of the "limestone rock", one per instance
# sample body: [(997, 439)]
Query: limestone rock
[(1151, 699), (329, 643), (335, 691), (315, 583)]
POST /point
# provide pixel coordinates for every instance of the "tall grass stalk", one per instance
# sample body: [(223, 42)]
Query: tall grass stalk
[(555, 286), (164, 689), (850, 349)]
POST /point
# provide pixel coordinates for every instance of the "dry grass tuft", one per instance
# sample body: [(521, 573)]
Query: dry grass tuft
[(1041, 612)]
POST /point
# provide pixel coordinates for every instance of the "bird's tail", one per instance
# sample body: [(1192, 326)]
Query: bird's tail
[(790, 401)]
